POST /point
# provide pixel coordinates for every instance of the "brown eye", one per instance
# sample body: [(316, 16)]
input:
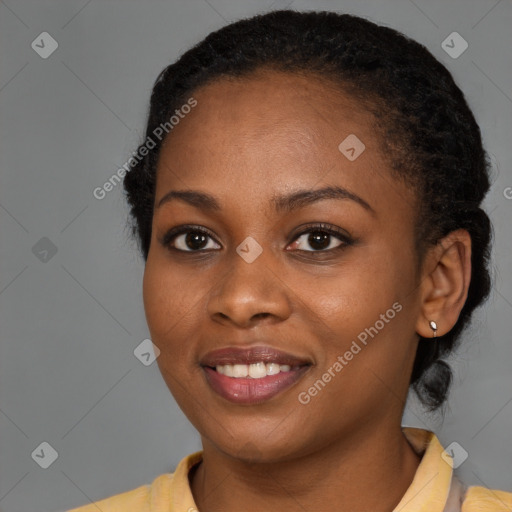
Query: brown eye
[(189, 240), (318, 241), (321, 238)]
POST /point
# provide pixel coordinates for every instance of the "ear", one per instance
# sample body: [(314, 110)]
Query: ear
[(445, 283)]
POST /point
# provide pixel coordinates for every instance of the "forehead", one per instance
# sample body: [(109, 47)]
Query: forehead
[(271, 129), (297, 108)]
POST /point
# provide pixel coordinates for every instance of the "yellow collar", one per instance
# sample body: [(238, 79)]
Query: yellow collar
[(430, 487), (428, 491)]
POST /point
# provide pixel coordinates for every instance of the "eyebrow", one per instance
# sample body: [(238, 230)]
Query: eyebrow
[(283, 203)]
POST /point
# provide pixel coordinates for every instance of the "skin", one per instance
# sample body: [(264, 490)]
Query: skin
[(246, 141)]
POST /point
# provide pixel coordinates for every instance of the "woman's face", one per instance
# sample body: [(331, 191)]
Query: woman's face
[(322, 317)]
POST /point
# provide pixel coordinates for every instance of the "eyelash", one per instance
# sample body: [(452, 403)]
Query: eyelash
[(319, 227)]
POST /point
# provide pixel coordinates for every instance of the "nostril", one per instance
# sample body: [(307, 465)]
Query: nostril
[(261, 315)]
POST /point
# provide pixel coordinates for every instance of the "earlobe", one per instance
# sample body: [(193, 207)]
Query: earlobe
[(433, 326), (445, 285)]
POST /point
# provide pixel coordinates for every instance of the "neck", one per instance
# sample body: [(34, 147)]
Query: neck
[(370, 470)]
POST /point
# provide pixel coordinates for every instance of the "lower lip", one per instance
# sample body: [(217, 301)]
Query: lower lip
[(252, 391)]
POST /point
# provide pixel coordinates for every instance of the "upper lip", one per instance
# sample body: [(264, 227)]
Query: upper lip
[(249, 355)]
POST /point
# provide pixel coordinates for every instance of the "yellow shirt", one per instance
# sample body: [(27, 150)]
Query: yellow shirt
[(433, 489)]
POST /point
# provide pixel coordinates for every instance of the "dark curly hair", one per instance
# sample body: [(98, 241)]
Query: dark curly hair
[(425, 125)]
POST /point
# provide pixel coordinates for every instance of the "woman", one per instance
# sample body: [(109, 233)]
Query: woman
[(307, 200)]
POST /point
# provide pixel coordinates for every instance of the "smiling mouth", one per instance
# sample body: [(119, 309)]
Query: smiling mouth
[(252, 375), (253, 390), (257, 370)]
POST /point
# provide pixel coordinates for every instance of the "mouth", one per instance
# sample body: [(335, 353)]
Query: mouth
[(253, 375)]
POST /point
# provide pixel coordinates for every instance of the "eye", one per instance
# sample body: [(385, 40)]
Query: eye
[(321, 238), (189, 239)]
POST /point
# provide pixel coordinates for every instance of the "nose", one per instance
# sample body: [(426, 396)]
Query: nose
[(249, 293)]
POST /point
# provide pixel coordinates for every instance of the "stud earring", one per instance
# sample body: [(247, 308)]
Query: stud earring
[(433, 326)]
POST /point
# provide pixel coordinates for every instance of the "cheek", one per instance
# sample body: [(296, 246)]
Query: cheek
[(169, 302), (367, 304), (360, 289), (170, 308)]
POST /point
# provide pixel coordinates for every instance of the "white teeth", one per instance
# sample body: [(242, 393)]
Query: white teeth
[(272, 368), (254, 370), (228, 370), (240, 370), (257, 370)]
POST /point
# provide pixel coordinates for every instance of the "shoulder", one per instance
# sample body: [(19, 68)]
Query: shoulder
[(481, 499), (141, 499), (169, 491)]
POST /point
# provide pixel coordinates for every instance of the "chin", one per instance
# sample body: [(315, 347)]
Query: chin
[(259, 448)]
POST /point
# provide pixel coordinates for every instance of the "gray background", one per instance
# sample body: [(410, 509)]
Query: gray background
[(69, 325)]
